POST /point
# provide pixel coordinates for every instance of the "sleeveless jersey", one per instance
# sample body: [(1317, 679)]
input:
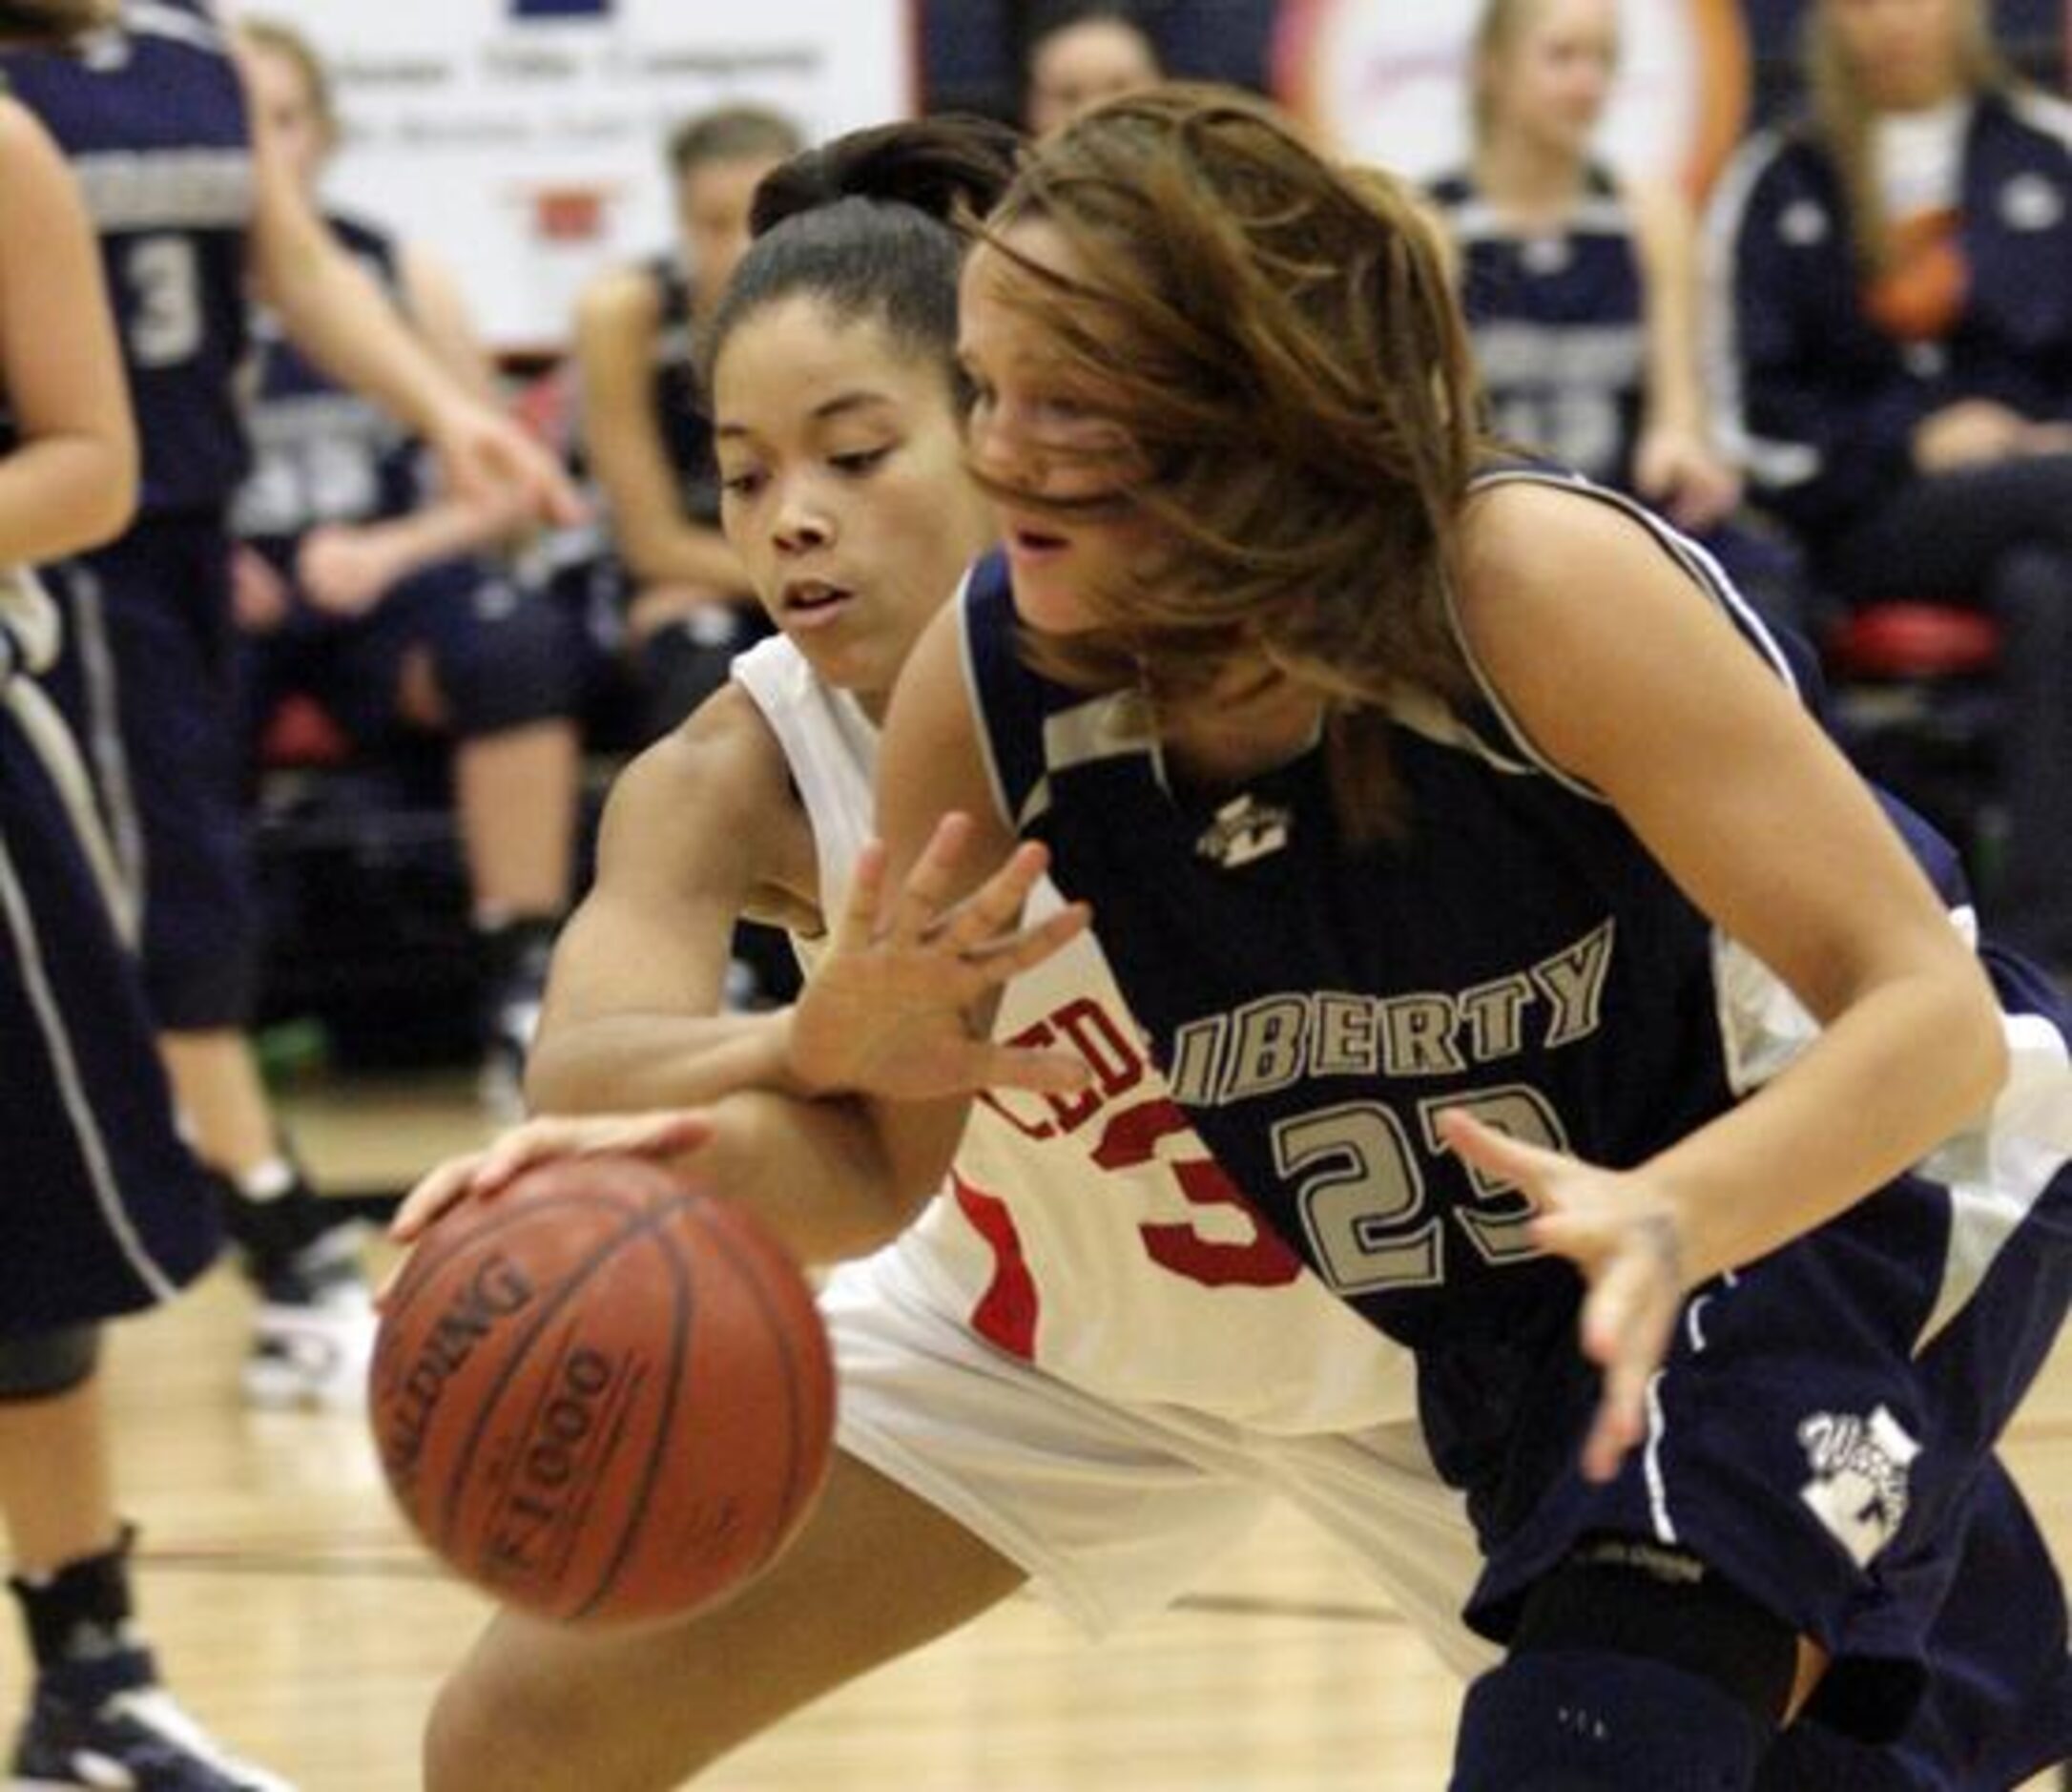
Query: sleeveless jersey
[(151, 115), (1558, 323), (680, 411), (1517, 953), (322, 453), (1091, 1233)]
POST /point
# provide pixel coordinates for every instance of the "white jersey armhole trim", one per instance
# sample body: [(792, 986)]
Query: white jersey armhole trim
[(993, 777), (2042, 112), (1704, 571)]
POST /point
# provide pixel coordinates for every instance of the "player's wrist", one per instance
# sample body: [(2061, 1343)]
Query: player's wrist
[(786, 1075)]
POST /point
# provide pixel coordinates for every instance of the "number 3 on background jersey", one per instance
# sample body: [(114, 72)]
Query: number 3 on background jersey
[(164, 291)]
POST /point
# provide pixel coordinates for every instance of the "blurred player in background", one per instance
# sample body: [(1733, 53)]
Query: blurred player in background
[(106, 1210), (646, 425), (386, 601), (1079, 53), (1897, 360), (195, 209), (1581, 289)]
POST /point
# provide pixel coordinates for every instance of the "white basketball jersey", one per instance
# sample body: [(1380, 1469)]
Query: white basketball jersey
[(1091, 1234)]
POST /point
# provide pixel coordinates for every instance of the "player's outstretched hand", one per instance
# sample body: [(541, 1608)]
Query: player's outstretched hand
[(481, 1175), (1629, 1244), (891, 1008)]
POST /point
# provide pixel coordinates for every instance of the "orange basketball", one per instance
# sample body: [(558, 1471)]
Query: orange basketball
[(604, 1396)]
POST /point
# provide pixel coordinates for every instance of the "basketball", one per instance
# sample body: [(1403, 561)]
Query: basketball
[(603, 1396)]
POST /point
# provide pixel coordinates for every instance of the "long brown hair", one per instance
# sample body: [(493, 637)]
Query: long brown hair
[(1277, 339), (1842, 113)]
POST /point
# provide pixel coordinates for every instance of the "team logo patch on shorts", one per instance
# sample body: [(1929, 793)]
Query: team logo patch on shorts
[(1859, 1477)]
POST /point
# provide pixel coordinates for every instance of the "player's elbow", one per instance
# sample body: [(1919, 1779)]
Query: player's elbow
[(563, 1076), (892, 1180), (1974, 1034), (112, 509)]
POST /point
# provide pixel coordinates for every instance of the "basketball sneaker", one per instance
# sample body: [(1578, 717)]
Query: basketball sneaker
[(313, 1332), (137, 1740)]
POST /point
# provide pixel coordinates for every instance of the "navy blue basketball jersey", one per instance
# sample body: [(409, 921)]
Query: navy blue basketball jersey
[(322, 453), (1558, 323), (1316, 1005), (1514, 950), (152, 117), (681, 413)]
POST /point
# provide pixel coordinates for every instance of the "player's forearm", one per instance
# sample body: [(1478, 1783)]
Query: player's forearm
[(616, 1063), (815, 1170), (443, 530), (335, 312), (1892, 1078)]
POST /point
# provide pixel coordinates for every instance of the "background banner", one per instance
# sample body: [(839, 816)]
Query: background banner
[(523, 139)]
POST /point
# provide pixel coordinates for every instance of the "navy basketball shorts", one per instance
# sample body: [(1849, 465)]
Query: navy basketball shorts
[(1822, 1432), (104, 1210), (501, 657), (149, 683)]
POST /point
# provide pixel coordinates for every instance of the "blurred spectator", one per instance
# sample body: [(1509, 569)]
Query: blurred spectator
[(1580, 288), (1079, 53), (688, 608), (356, 586), (1898, 275)]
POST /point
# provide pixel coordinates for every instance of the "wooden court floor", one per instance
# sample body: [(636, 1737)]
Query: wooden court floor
[(297, 1617)]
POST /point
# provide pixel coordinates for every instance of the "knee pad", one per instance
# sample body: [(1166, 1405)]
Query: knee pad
[(1592, 1720), (42, 1364), (1663, 1605), (516, 664), (1632, 1666)]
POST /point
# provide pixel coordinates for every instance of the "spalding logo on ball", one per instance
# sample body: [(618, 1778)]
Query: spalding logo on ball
[(602, 1395)]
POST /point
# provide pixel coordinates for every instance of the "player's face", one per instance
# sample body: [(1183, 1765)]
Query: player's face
[(1083, 65), (280, 95), (1030, 431), (1905, 53), (711, 208), (842, 486), (1551, 83)]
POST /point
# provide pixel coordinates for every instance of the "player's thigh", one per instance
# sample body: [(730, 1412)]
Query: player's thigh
[(876, 1573)]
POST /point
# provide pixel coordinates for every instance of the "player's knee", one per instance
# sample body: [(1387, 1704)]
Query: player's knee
[(476, 1740), (513, 1720), (1631, 1667), (1593, 1721), (515, 670), (42, 1364)]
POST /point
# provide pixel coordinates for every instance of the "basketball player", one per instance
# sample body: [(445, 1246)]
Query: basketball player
[(997, 1425), (1580, 288), (106, 1211), (191, 201), (1896, 357), (1078, 54), (647, 436), (384, 599), (987, 1364), (1516, 943)]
